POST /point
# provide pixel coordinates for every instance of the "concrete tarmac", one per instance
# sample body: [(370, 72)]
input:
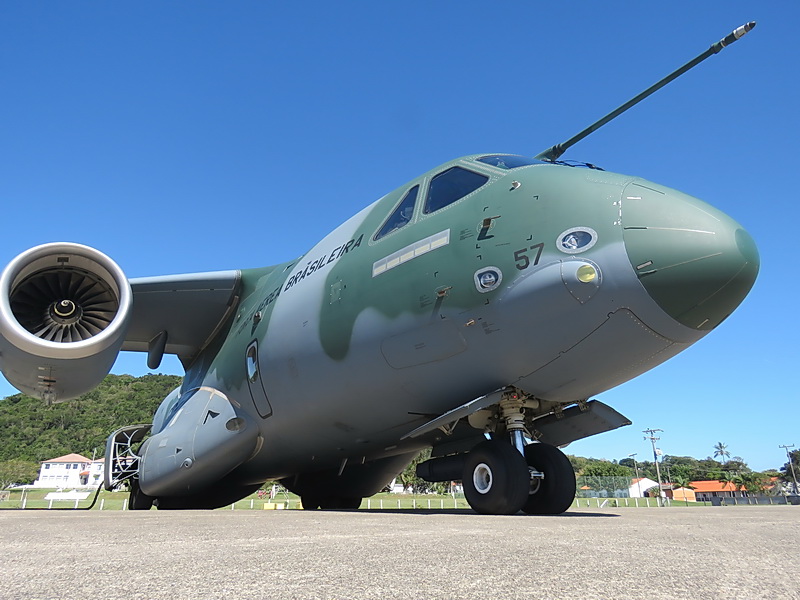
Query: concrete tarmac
[(676, 553)]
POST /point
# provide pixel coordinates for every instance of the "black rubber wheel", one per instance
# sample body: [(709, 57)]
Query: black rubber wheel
[(496, 478), (553, 494), (138, 500)]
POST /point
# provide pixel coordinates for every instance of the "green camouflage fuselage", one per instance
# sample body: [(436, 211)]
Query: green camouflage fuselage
[(561, 281)]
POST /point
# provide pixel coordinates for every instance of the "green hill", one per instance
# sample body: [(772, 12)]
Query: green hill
[(30, 430)]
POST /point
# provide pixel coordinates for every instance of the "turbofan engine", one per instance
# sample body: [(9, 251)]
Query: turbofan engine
[(64, 312)]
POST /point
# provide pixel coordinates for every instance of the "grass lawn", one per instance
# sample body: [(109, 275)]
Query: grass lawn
[(35, 499)]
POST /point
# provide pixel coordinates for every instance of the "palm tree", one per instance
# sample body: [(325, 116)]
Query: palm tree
[(682, 481), (721, 450), (738, 482), (725, 478)]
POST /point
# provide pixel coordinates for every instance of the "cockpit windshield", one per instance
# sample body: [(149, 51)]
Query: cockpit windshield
[(508, 161)]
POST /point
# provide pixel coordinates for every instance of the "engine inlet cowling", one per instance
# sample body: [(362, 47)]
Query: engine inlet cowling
[(64, 312), (64, 305)]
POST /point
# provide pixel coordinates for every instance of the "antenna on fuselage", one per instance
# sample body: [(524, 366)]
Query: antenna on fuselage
[(554, 152)]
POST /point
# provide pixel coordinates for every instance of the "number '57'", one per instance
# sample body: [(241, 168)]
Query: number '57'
[(522, 258)]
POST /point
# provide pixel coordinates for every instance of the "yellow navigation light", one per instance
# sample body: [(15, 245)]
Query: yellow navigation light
[(587, 273)]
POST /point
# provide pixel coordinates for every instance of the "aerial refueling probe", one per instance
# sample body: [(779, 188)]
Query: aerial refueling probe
[(554, 152)]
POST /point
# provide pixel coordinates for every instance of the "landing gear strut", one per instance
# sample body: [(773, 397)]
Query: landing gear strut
[(503, 478)]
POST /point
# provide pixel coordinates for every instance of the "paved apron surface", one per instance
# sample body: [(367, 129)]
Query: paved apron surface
[(692, 553)]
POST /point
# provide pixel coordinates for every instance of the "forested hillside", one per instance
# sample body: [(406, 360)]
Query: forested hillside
[(30, 430)]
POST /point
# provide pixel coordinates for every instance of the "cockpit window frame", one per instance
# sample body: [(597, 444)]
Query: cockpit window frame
[(427, 209), (508, 158), (397, 211)]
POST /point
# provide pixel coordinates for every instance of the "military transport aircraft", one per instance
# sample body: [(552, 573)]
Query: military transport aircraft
[(475, 310)]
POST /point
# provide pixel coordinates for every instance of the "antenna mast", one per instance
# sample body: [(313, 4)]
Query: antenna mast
[(554, 152)]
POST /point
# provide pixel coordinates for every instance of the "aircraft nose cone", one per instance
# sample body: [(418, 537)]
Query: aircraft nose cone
[(697, 263)]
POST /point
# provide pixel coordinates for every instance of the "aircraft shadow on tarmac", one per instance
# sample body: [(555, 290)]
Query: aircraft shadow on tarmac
[(468, 511)]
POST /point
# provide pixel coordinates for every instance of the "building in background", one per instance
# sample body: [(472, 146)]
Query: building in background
[(70, 471)]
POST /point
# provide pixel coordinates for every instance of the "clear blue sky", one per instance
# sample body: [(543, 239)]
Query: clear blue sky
[(196, 136)]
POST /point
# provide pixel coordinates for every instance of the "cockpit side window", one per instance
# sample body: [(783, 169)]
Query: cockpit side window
[(451, 185), (401, 215)]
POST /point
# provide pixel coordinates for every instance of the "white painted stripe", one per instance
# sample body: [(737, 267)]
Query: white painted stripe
[(410, 252)]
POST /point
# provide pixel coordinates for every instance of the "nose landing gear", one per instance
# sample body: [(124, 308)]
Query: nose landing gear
[(502, 478)]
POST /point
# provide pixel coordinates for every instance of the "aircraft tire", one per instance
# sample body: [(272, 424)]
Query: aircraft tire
[(556, 491), (496, 478), (138, 500)]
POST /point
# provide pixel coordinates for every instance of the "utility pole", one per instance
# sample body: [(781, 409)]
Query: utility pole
[(791, 466), (651, 435), (636, 467)]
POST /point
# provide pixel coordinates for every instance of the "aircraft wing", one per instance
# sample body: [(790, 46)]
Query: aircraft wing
[(180, 314)]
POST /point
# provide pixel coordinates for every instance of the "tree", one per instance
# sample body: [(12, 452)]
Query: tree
[(790, 471), (34, 431), (606, 469), (418, 485), (737, 479), (721, 450), (17, 472), (682, 481), (725, 477), (755, 483)]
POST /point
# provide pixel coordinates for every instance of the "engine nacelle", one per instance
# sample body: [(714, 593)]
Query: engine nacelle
[(64, 313)]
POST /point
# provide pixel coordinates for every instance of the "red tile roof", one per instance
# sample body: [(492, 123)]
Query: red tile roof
[(712, 486), (69, 458)]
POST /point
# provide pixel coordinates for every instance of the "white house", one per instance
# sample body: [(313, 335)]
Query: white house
[(640, 486), (70, 471), (93, 477)]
